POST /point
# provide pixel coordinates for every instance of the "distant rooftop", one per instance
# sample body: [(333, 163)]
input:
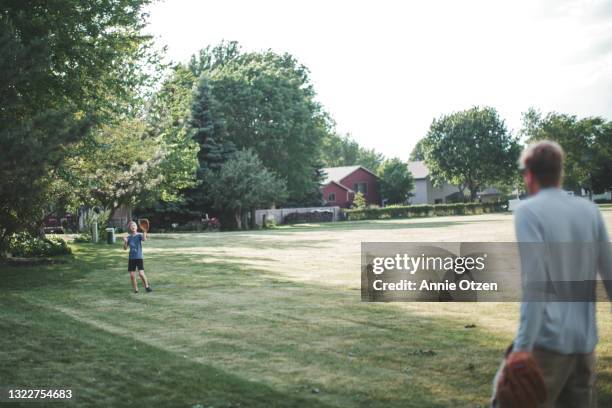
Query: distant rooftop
[(418, 169), (338, 173)]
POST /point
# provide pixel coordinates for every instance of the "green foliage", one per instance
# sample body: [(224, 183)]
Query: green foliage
[(587, 144), (396, 181), (267, 104), (270, 223), (27, 246), (471, 149), (359, 201), (64, 69), (425, 210), (114, 165), (82, 239), (418, 153), (168, 123), (339, 150), (243, 183), (101, 218), (209, 133)]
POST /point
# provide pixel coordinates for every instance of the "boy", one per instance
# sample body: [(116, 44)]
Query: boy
[(135, 263)]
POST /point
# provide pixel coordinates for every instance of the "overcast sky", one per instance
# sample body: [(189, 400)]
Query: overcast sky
[(384, 69)]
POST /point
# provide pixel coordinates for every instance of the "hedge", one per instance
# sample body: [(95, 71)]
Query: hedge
[(424, 210), (27, 246)]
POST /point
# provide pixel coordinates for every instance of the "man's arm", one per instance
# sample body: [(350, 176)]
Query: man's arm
[(533, 274)]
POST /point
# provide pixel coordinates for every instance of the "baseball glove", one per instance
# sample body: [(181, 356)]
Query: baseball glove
[(144, 224), (521, 383)]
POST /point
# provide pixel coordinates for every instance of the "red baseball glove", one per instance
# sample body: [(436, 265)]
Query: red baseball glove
[(521, 383)]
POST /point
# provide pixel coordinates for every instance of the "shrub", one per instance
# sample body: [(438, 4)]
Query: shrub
[(82, 238), (270, 223), (424, 210), (27, 246), (359, 202)]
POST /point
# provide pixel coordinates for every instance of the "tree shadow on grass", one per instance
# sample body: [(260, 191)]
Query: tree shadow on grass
[(104, 369)]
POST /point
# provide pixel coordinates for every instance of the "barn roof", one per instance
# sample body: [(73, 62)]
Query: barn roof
[(418, 169), (338, 173)]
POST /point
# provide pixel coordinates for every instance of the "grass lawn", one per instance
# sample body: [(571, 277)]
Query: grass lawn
[(258, 319)]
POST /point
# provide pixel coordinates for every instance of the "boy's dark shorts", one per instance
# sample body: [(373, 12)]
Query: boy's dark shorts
[(134, 264)]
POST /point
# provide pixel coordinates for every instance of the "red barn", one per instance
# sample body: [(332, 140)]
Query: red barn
[(342, 183)]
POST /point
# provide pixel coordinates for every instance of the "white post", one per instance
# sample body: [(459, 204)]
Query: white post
[(94, 232)]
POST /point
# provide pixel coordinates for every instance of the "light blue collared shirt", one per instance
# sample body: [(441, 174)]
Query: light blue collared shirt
[(553, 216)]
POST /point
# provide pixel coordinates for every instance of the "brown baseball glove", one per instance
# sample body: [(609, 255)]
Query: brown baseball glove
[(144, 224), (521, 383)]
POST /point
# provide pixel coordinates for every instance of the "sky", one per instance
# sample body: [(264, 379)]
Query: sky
[(385, 69)]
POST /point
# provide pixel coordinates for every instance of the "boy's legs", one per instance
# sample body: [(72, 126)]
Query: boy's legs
[(143, 277), (134, 281)]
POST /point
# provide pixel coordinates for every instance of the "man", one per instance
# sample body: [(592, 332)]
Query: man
[(563, 242)]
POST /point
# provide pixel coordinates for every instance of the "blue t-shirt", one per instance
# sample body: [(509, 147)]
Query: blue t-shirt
[(135, 244)]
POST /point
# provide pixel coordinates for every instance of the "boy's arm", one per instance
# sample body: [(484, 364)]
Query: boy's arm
[(144, 235), (125, 243)]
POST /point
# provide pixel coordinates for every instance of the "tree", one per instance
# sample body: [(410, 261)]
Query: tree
[(471, 149), (267, 104), (167, 121), (244, 184), (396, 181), (359, 201), (339, 150), (115, 165), (418, 153), (64, 69), (209, 133), (587, 144)]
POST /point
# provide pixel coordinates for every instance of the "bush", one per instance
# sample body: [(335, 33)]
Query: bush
[(27, 246), (82, 238), (270, 223), (424, 210)]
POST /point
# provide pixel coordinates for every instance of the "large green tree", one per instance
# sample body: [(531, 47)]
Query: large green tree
[(244, 184), (396, 181), (471, 149), (587, 144), (210, 134), (267, 104), (337, 150), (66, 66)]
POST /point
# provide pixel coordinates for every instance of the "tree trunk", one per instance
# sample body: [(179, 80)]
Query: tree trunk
[(253, 224), (238, 218), (472, 186), (41, 227)]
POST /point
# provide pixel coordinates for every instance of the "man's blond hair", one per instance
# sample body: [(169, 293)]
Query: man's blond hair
[(545, 161)]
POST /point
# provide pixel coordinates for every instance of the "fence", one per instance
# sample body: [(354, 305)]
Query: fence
[(279, 214)]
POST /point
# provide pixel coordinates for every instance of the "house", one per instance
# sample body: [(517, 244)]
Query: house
[(425, 192), (341, 184), (489, 195)]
